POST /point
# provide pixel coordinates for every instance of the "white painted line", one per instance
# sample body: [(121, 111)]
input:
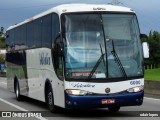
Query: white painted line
[(151, 98), (20, 108)]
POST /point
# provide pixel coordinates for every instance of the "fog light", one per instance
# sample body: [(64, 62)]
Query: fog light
[(68, 102), (75, 103)]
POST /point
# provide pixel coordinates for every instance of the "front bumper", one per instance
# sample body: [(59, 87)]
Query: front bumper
[(130, 99)]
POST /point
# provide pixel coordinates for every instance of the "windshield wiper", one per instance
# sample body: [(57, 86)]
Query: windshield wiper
[(117, 60), (97, 63)]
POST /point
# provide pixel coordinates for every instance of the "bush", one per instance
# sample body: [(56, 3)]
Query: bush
[(2, 42), (2, 59)]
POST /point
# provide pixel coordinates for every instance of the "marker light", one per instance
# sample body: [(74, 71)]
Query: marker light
[(76, 92), (99, 8), (136, 89)]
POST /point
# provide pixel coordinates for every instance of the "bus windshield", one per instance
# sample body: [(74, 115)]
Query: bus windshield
[(106, 44)]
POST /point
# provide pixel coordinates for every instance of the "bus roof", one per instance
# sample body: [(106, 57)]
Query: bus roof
[(68, 8)]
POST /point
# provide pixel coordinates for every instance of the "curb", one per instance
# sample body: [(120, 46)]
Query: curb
[(152, 87)]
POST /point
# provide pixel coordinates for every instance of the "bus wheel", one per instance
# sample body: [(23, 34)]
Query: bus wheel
[(17, 92), (114, 108), (50, 100)]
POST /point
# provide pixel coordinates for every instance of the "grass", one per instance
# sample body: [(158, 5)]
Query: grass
[(152, 74)]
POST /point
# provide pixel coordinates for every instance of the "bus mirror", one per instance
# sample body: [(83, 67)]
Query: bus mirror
[(145, 49)]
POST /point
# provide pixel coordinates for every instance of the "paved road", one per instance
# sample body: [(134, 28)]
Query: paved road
[(8, 102)]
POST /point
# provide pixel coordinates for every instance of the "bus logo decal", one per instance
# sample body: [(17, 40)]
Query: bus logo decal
[(78, 85), (107, 90), (44, 59)]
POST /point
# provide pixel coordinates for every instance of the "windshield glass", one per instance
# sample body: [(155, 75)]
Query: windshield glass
[(90, 37)]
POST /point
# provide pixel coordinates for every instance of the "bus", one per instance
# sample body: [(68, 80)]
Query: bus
[(77, 56)]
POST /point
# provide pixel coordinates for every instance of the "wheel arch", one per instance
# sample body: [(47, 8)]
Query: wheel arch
[(46, 86)]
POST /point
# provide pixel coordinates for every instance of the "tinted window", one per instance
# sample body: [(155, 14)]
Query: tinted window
[(37, 33), (10, 40), (57, 51), (20, 37), (30, 33), (17, 36), (23, 36), (46, 31), (55, 26)]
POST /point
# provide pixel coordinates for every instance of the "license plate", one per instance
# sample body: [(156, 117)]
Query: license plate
[(108, 101)]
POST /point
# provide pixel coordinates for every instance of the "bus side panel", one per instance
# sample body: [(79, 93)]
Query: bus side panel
[(39, 69), (35, 83)]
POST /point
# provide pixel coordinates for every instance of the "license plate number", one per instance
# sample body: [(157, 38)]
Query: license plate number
[(108, 101)]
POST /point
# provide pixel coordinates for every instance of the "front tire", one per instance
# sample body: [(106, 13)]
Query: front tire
[(114, 108), (50, 100)]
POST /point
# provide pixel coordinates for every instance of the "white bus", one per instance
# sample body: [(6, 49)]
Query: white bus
[(77, 56)]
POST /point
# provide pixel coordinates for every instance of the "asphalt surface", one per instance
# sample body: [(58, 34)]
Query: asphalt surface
[(8, 103)]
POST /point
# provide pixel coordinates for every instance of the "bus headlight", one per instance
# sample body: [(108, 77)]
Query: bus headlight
[(76, 92), (136, 89)]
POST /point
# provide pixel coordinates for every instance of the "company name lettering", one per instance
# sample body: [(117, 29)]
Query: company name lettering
[(44, 59), (137, 82), (79, 85)]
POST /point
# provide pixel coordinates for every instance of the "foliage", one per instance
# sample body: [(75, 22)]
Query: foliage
[(2, 38), (2, 42), (154, 47), (2, 59), (2, 45)]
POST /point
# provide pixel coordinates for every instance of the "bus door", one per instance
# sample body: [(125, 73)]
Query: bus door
[(59, 68)]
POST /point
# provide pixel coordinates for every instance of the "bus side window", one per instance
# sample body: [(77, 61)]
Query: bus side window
[(30, 34), (46, 31), (10, 40)]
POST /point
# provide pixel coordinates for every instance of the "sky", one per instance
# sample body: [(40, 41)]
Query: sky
[(15, 11)]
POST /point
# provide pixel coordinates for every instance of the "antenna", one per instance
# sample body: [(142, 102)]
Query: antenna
[(116, 2)]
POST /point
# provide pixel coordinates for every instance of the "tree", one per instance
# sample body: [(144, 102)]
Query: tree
[(2, 38), (154, 45), (2, 30), (2, 45), (2, 42), (2, 59)]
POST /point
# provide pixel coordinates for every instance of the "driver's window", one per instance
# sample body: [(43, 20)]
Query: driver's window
[(57, 47), (58, 59)]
